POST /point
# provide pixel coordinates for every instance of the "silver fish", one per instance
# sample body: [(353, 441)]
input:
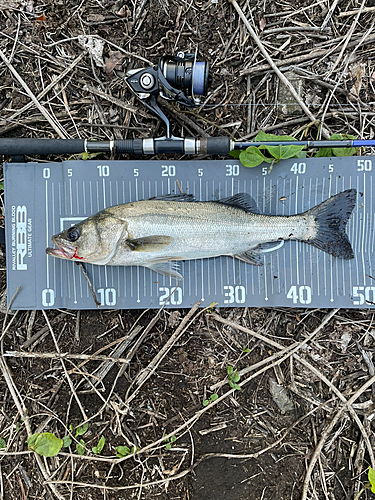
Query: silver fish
[(155, 233)]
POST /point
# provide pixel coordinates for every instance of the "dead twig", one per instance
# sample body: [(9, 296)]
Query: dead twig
[(281, 76), (54, 124), (146, 373), (328, 430)]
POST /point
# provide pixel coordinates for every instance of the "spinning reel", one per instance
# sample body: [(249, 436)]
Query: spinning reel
[(178, 79)]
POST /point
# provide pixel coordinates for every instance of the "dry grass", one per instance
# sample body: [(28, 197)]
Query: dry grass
[(141, 378)]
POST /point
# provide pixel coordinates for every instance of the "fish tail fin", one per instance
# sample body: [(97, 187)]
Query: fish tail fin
[(331, 218)]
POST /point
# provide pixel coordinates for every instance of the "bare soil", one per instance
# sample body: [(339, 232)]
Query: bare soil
[(287, 433)]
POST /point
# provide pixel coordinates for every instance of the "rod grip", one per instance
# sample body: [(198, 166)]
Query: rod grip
[(15, 146), (215, 145)]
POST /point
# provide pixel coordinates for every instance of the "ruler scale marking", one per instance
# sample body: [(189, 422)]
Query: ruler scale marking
[(223, 279)]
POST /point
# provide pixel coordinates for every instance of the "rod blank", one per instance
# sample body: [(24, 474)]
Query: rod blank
[(151, 146)]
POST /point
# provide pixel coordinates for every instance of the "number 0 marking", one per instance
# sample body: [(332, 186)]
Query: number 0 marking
[(48, 297)]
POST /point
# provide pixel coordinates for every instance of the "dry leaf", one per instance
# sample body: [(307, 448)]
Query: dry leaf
[(262, 24), (42, 17), (114, 61), (124, 11), (95, 46), (95, 18), (357, 72)]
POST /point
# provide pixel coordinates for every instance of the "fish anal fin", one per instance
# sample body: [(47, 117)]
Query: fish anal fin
[(254, 256), (251, 257), (166, 268), (149, 243), (242, 200)]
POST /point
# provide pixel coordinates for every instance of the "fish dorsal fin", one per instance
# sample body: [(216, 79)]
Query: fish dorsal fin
[(166, 268), (175, 197), (242, 200), (149, 243)]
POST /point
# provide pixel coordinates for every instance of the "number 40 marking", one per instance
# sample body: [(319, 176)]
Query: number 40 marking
[(301, 294)]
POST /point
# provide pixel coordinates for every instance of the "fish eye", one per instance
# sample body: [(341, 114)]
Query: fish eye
[(73, 234)]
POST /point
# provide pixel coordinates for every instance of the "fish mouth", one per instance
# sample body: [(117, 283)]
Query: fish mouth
[(62, 251)]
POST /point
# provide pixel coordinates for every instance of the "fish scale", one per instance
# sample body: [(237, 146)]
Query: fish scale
[(42, 199)]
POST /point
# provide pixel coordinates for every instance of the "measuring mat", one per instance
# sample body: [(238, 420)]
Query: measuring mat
[(42, 199)]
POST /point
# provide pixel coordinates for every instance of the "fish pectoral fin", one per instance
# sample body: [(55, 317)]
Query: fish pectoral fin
[(149, 243), (166, 268)]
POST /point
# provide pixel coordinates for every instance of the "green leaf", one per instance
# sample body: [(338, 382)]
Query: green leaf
[(324, 152), (235, 377), (45, 444), (168, 446), (279, 152), (80, 447), (371, 478), (246, 349), (206, 402), (235, 153), (98, 448), (342, 151), (82, 429), (252, 157), (263, 137), (301, 154), (123, 451), (230, 370), (3, 443), (1, 186), (283, 152), (67, 441), (214, 397), (233, 385), (173, 439)]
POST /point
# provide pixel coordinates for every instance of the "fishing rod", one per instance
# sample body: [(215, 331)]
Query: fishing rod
[(179, 79)]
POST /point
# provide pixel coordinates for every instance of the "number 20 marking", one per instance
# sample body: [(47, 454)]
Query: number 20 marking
[(175, 298), (168, 170)]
